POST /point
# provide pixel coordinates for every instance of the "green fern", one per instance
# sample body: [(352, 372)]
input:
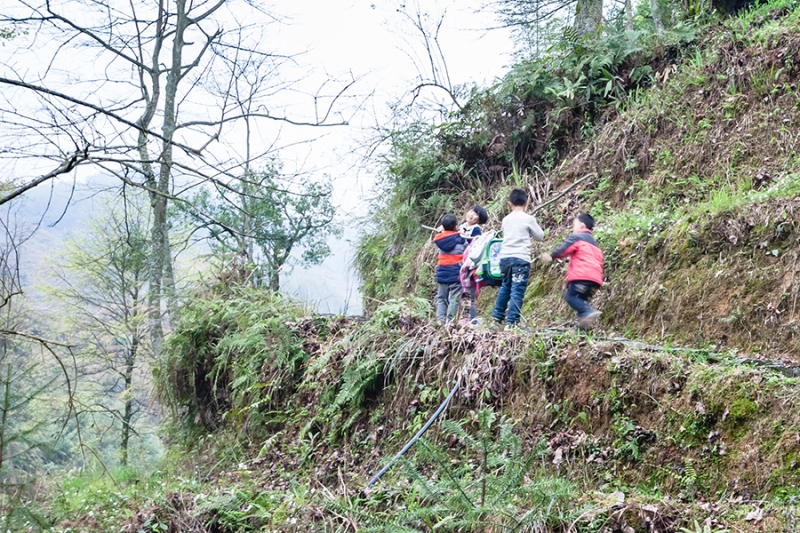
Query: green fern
[(689, 479), (356, 379), (230, 357), (490, 485)]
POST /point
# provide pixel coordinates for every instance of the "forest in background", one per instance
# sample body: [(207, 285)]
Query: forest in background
[(152, 362)]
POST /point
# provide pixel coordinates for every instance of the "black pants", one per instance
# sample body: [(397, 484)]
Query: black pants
[(578, 294)]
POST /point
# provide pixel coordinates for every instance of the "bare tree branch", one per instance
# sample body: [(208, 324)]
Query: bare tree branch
[(122, 120), (71, 163)]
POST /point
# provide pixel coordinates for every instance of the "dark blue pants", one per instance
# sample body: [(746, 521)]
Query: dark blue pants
[(578, 294), (515, 280)]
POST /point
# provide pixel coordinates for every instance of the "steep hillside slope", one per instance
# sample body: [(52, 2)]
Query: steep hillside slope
[(279, 421), (694, 183), (698, 185)]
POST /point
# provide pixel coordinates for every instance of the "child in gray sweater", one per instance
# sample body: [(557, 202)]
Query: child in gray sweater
[(515, 258)]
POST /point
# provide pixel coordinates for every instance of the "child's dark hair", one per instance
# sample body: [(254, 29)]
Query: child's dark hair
[(518, 197), (449, 222), (587, 220), (483, 216)]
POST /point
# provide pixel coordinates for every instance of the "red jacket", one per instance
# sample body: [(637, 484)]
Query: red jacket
[(585, 257)]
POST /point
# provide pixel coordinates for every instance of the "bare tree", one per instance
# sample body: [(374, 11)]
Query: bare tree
[(420, 31), (37, 386), (424, 48), (102, 282), (157, 109)]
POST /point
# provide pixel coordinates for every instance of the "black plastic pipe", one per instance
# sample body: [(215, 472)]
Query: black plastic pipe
[(410, 443)]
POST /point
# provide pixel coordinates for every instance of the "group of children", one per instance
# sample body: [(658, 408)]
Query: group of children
[(584, 273)]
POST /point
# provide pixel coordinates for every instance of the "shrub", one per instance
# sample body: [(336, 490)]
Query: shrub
[(231, 358)]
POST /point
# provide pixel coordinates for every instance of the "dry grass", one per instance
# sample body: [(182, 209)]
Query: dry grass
[(708, 275)]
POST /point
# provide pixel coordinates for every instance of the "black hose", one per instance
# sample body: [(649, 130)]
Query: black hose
[(410, 443)]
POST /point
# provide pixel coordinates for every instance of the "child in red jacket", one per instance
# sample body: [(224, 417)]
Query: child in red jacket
[(585, 270)]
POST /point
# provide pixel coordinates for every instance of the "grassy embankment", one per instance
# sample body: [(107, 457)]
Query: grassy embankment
[(549, 431)]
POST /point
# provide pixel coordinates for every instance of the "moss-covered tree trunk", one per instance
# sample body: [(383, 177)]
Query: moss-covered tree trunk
[(588, 16), (656, 14)]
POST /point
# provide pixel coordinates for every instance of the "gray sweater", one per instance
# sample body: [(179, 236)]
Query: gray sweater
[(518, 230)]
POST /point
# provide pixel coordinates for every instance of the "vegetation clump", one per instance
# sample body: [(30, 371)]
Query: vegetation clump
[(233, 355)]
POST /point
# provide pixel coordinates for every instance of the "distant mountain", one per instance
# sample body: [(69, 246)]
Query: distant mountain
[(47, 214)]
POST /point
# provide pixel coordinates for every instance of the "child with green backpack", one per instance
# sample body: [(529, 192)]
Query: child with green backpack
[(470, 229), (473, 220)]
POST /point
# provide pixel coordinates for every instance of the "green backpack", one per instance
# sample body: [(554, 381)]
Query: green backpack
[(488, 269)]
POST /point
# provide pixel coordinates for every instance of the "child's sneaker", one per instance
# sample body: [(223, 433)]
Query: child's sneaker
[(588, 321), (494, 324)]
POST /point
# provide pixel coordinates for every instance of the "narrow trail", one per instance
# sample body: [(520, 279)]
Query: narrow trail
[(784, 366)]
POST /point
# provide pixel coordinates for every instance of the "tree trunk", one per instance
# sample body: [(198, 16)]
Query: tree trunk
[(169, 283), (152, 97), (247, 222), (588, 16), (656, 14), (275, 280), (160, 244), (128, 414), (628, 15), (158, 234), (4, 421)]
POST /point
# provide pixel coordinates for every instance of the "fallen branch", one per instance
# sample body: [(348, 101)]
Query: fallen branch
[(562, 193), (541, 206), (788, 370)]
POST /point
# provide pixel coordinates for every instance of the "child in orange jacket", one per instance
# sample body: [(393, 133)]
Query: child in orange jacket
[(451, 249)]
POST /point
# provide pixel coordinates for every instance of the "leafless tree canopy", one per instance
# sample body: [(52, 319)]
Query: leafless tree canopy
[(159, 95), (121, 79)]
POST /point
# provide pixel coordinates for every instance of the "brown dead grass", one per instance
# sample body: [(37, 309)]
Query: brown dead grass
[(717, 283)]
